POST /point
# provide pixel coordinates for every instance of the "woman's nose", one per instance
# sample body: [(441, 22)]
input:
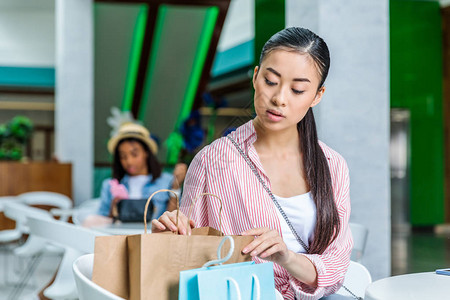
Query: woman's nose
[(279, 99)]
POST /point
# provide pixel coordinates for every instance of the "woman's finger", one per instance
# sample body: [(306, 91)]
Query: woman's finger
[(182, 222), (168, 221), (256, 231), (261, 234), (252, 246), (158, 226), (264, 245), (277, 248)]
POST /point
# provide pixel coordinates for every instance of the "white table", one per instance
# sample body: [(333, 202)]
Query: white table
[(416, 286), (123, 228)]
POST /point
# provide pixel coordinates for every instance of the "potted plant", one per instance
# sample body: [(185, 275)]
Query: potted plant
[(14, 136)]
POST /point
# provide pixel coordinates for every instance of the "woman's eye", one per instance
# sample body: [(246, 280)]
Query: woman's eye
[(297, 92), (268, 82)]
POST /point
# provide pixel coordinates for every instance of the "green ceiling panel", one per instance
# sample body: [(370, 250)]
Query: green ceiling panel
[(180, 44), (117, 33)]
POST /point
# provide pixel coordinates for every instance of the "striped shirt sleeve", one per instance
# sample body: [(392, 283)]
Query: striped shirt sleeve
[(194, 185), (332, 265)]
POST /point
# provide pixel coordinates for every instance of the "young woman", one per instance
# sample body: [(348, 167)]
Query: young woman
[(276, 180), (136, 174)]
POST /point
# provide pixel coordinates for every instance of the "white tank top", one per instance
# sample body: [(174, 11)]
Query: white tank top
[(136, 185), (301, 212)]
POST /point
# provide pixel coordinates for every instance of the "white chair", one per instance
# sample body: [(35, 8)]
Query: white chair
[(9, 235), (35, 246), (59, 201), (87, 208), (357, 279), (9, 238), (359, 233), (88, 290), (76, 241), (20, 212)]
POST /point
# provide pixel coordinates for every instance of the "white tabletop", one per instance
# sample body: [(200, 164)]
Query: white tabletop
[(119, 228), (417, 286)]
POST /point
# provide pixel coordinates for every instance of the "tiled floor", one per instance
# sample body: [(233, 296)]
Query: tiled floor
[(14, 272), (419, 251)]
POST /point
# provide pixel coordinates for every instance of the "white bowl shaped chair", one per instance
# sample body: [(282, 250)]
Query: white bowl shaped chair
[(76, 241), (9, 238), (87, 289), (34, 244), (60, 201), (357, 279), (10, 235), (359, 233)]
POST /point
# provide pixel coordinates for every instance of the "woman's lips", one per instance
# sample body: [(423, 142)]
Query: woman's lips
[(274, 115)]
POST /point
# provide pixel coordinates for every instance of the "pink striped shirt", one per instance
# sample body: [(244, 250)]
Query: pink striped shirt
[(219, 169)]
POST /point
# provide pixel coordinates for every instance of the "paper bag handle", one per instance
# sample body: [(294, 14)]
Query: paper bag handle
[(257, 285), (148, 202), (220, 260), (195, 201)]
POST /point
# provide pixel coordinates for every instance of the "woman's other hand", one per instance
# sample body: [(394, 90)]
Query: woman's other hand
[(114, 212), (168, 221), (268, 245), (179, 173)]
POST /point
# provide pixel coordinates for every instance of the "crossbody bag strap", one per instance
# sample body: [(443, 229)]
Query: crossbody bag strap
[(297, 237), (255, 171)]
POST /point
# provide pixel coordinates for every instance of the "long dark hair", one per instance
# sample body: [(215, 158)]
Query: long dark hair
[(153, 166), (315, 163)]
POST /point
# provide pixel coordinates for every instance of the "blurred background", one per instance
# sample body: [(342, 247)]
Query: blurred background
[(183, 68)]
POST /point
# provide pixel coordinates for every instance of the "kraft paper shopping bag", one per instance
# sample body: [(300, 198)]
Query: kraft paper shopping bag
[(155, 260), (110, 269)]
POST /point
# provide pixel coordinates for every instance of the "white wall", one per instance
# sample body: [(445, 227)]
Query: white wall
[(239, 26), (27, 33), (353, 117), (74, 92)]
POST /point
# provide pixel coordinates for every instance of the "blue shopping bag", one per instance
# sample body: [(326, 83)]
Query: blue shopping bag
[(240, 281)]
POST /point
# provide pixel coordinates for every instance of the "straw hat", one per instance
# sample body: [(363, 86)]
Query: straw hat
[(132, 130)]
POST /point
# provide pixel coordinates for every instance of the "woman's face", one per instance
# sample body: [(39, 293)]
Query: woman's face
[(133, 158), (285, 88)]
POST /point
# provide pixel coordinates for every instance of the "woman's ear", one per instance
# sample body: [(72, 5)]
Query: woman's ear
[(255, 74), (318, 96)]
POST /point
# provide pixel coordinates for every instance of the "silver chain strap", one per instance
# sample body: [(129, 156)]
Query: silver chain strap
[(255, 171)]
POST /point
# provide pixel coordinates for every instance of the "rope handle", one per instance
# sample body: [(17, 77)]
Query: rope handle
[(220, 260), (195, 201), (148, 203)]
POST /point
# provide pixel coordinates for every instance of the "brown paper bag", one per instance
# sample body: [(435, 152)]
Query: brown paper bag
[(155, 260), (111, 264)]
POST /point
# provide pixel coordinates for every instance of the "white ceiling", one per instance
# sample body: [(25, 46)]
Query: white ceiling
[(27, 4), (444, 2)]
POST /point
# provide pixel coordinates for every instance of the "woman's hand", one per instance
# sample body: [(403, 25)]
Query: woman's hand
[(168, 221), (113, 211), (268, 245)]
